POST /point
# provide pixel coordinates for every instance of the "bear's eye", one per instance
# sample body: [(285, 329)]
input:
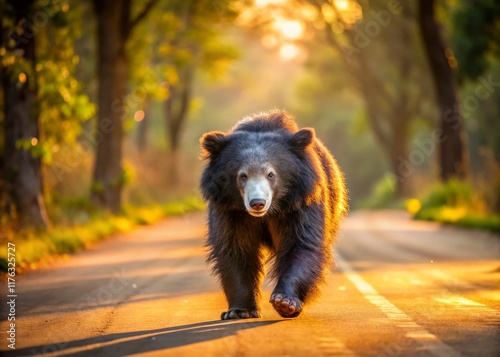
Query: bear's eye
[(270, 175), (243, 177)]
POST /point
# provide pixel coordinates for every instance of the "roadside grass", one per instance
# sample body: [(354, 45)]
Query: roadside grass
[(461, 217), (382, 196), (35, 248), (456, 203)]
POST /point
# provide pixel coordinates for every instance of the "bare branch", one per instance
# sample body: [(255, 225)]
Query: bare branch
[(147, 8)]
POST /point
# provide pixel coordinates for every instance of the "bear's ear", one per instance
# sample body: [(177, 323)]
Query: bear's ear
[(302, 138), (212, 143)]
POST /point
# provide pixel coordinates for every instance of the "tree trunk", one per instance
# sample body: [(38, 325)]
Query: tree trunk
[(114, 26), (112, 70), (23, 176), (387, 112), (400, 165), (453, 160), (176, 112), (177, 107)]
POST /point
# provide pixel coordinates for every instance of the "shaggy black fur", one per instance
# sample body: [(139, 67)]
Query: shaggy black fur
[(299, 229)]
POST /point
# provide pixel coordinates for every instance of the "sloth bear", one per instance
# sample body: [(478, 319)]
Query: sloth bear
[(270, 186)]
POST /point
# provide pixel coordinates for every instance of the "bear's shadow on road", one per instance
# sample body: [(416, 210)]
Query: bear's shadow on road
[(129, 343)]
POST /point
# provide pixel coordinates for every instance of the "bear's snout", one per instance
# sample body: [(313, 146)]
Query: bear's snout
[(258, 204), (257, 195)]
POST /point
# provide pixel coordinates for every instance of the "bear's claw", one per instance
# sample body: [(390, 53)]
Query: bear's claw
[(239, 314), (286, 306)]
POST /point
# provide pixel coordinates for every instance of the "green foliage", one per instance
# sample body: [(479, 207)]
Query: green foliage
[(457, 202), (178, 35), (32, 146), (475, 40), (382, 195), (453, 193), (60, 105), (475, 36), (127, 176), (461, 218)]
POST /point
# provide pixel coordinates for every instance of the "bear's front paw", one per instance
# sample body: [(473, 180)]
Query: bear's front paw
[(236, 313), (285, 305)]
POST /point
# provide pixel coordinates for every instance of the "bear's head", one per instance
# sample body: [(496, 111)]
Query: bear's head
[(261, 172)]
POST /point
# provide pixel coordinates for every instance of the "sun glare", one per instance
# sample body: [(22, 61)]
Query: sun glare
[(264, 3), (284, 27), (289, 51), (342, 4), (347, 11), (290, 29)]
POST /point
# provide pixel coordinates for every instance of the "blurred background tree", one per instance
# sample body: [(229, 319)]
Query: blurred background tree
[(115, 23), (385, 73), (22, 185), (475, 39), (453, 158), (43, 106), (192, 44)]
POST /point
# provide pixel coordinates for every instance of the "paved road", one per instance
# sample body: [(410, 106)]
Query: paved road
[(401, 288)]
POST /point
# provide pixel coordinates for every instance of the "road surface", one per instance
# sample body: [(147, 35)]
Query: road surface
[(401, 288)]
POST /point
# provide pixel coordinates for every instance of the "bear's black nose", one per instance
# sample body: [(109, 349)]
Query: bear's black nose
[(257, 204)]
